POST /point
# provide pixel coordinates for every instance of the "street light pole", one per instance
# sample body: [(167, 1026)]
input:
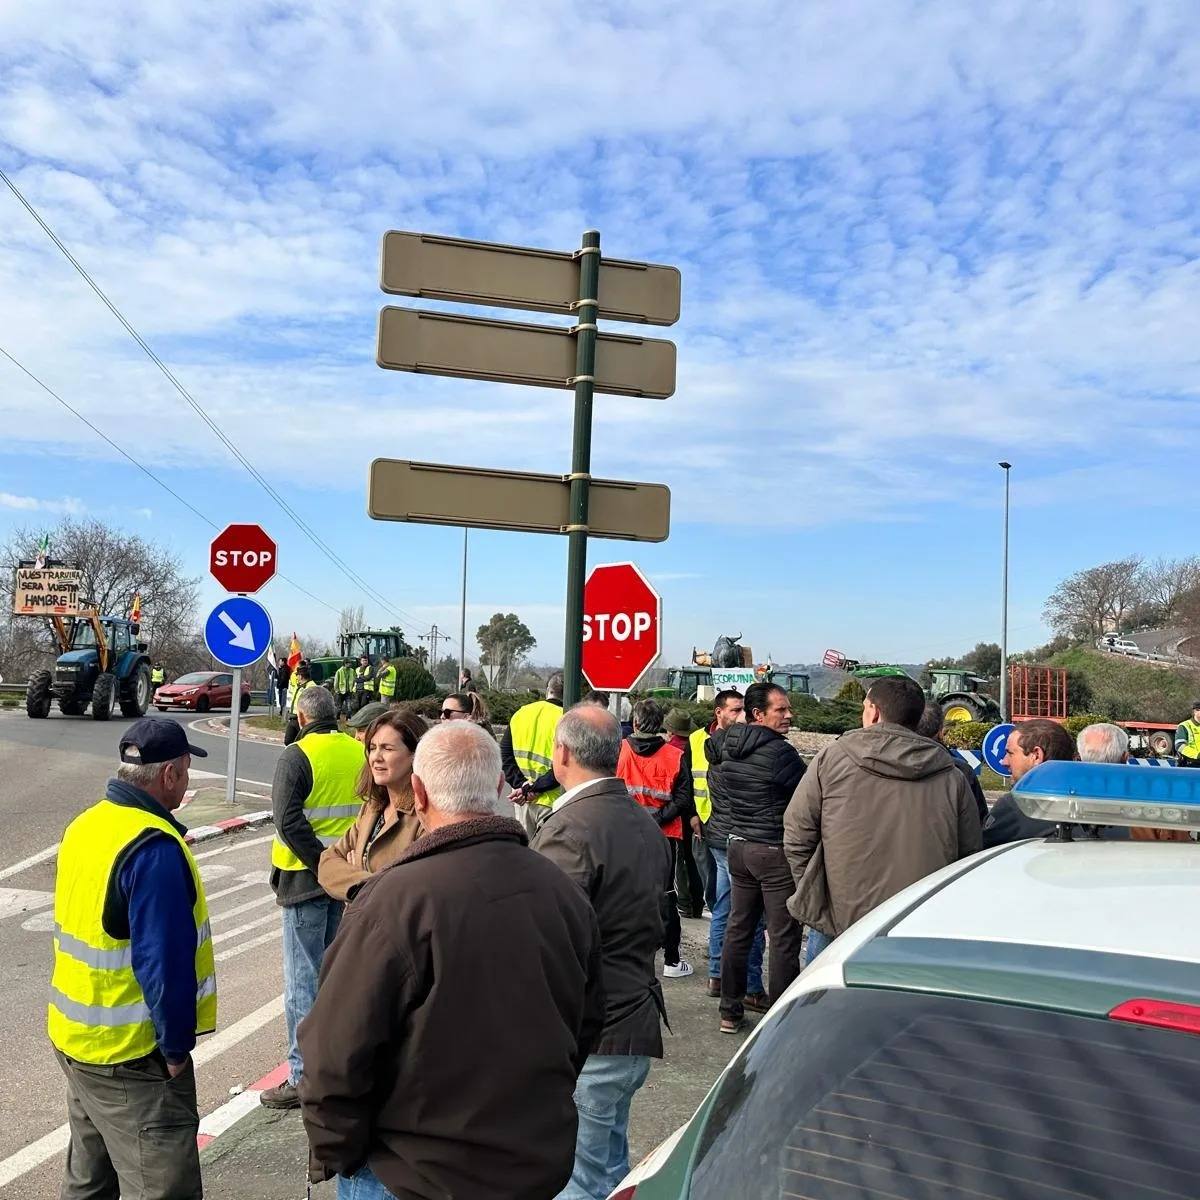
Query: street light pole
[(462, 617), (1006, 467)]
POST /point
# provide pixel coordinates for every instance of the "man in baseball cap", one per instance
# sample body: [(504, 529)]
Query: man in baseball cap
[(134, 982)]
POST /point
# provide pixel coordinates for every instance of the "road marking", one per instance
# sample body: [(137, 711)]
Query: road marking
[(14, 901), (214, 871), (224, 1118), (238, 909), (257, 841), (45, 1148), (218, 938), (247, 881), (241, 947), (31, 861), (221, 775)]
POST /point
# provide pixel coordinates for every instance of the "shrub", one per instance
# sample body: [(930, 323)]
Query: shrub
[(1080, 721), (502, 705), (851, 692), (429, 707), (965, 735), (412, 680)]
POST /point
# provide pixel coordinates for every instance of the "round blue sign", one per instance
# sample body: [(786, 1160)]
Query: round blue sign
[(238, 631), (995, 745)]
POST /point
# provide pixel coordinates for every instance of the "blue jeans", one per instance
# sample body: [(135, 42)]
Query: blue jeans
[(716, 929), (362, 1185), (817, 941), (602, 1098), (308, 928)]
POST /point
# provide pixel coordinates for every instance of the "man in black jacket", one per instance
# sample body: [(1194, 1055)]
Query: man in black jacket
[(930, 726), (613, 849), (754, 771)]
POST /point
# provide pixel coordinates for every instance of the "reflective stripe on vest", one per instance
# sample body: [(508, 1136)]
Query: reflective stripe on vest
[(364, 681), (1190, 748), (332, 806), (698, 740), (387, 681), (651, 779), (532, 729), (98, 1013)]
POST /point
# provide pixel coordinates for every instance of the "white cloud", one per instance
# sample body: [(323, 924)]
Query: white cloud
[(67, 506)]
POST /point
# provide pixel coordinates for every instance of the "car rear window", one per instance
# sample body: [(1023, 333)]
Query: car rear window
[(857, 1094)]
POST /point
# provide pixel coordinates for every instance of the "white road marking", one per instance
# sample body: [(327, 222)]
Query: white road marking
[(258, 841), (218, 938), (213, 871), (31, 861), (42, 922), (197, 773), (241, 947), (45, 1148), (247, 881), (238, 909), (14, 901)]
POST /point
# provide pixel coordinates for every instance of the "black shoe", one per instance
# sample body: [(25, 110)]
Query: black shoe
[(283, 1096), (757, 1002)]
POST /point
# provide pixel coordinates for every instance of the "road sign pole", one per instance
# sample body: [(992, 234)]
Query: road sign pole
[(235, 720), (581, 461)]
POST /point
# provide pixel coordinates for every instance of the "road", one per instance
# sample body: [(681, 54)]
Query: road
[(49, 771)]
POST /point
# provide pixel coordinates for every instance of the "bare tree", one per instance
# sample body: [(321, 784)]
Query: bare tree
[(1167, 583), (1097, 600), (351, 620)]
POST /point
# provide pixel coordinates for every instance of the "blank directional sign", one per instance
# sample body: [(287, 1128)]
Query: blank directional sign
[(436, 343), (443, 268), (433, 494)]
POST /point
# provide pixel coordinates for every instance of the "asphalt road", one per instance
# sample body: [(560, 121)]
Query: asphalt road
[(49, 771)]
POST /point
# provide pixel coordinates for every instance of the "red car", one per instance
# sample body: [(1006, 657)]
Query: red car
[(200, 691)]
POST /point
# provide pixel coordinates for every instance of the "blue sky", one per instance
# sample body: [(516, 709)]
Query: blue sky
[(915, 238)]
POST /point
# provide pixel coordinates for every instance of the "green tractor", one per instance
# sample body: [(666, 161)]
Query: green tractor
[(374, 643), (956, 689), (100, 663)]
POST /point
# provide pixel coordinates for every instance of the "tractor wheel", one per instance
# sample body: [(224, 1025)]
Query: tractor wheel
[(37, 695), (71, 708), (139, 697), (1162, 744), (103, 694), (960, 709), (246, 703), (202, 705)]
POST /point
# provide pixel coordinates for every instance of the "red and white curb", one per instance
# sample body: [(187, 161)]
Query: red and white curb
[(232, 1111), (203, 833)]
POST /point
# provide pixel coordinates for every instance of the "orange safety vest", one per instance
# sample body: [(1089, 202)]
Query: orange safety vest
[(651, 779)]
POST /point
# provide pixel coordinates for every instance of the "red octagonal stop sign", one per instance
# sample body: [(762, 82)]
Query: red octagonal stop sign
[(622, 627), (242, 558)]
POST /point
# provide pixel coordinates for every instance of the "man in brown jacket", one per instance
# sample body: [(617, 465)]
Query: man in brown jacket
[(457, 1005), (878, 809)]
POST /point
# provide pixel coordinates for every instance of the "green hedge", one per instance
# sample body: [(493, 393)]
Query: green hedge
[(1080, 721), (412, 680), (965, 735)]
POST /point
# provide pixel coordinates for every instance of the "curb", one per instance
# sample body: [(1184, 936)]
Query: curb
[(219, 727), (222, 1119), (205, 833)]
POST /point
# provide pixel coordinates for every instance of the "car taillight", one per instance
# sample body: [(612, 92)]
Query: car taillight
[(1162, 1014)]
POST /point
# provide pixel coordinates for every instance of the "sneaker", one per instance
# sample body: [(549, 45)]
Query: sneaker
[(733, 1024), (714, 988), (681, 970), (283, 1096), (758, 1002), (706, 913)]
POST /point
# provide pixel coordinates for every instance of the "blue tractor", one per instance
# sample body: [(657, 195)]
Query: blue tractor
[(101, 663)]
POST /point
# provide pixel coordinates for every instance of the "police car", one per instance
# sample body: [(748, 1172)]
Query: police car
[(1023, 1025)]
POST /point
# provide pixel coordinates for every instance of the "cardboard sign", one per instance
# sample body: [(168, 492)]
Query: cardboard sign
[(46, 592), (737, 678)]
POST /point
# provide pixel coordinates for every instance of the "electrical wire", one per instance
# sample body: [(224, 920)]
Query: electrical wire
[(196, 407), (166, 487)]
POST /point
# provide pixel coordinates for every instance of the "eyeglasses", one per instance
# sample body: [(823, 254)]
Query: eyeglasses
[(448, 714)]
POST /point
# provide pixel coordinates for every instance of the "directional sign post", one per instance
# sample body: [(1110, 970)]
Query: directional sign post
[(237, 634), (995, 746), (580, 358)]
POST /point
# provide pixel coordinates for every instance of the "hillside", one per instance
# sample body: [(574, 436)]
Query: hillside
[(1125, 690)]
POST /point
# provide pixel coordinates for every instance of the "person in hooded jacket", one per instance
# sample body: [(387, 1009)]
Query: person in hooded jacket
[(879, 809), (659, 777), (753, 771)]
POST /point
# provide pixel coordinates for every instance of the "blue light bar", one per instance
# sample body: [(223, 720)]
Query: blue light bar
[(1081, 793)]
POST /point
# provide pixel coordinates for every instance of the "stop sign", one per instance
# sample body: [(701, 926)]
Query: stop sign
[(622, 627), (242, 558)]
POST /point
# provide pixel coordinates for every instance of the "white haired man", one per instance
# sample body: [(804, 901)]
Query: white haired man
[(458, 1003), (1103, 743), (314, 800)]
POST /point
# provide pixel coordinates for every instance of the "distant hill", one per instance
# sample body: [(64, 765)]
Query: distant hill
[(1123, 689)]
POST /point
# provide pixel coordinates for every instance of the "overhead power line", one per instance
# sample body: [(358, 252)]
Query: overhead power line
[(199, 410)]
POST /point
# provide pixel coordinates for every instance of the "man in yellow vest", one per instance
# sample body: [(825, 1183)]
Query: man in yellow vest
[(301, 679), (343, 687), (526, 752), (364, 683), (1187, 740), (314, 801), (134, 982), (158, 676), (385, 679)]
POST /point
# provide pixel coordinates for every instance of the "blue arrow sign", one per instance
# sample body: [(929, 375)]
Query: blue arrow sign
[(995, 745), (238, 631)]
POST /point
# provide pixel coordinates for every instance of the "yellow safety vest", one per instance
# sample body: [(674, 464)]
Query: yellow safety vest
[(364, 680), (333, 805), (532, 729), (297, 690), (157, 676), (698, 740), (1190, 748), (387, 681), (98, 1013), (343, 680)]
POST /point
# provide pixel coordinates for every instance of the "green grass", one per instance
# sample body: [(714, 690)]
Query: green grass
[(265, 722), (1123, 689), (991, 782)]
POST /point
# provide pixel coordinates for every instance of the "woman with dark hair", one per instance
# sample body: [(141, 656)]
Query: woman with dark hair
[(386, 825), (466, 706)]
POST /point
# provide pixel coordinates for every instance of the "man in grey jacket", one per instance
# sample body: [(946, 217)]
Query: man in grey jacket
[(878, 809), (613, 849)]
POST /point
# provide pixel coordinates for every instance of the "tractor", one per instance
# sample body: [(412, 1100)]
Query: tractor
[(955, 689), (374, 643), (100, 662)]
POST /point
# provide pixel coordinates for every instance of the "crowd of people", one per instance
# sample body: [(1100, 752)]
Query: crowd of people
[(402, 886)]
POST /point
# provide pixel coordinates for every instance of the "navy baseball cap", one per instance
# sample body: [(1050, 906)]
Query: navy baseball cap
[(155, 740)]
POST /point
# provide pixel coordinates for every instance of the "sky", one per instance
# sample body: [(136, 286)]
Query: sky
[(915, 239)]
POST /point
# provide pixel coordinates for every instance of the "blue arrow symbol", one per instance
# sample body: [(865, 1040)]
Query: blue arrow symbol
[(242, 635)]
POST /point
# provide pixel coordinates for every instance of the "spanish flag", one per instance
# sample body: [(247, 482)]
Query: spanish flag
[(294, 655), (135, 613)]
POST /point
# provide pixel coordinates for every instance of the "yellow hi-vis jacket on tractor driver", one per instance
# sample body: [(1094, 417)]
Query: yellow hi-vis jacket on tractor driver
[(331, 806), (532, 731), (98, 1012)]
